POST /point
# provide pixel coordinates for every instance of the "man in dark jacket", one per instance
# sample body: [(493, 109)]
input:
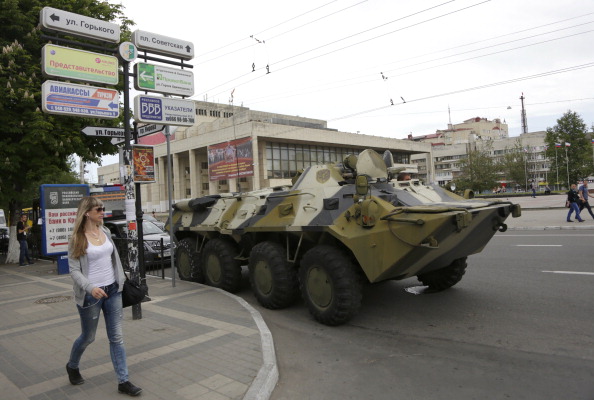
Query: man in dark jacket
[(583, 193), (22, 229)]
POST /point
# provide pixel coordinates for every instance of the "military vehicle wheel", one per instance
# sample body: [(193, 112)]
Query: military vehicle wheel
[(187, 261), (219, 266), (329, 285), (273, 280), (445, 278)]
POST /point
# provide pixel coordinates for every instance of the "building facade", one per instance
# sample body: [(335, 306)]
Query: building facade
[(232, 148)]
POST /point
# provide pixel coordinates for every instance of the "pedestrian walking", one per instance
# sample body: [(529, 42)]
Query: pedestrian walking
[(583, 193), (533, 187), (22, 228), (573, 199), (98, 277)]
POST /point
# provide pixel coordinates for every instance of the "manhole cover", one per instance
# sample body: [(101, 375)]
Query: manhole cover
[(55, 299)]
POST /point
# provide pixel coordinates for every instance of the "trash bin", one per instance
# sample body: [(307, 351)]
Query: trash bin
[(63, 267)]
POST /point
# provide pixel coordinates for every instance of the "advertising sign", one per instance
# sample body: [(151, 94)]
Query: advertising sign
[(78, 25), (63, 62), (230, 160), (155, 78), (163, 45), (86, 101), (144, 163), (163, 110), (58, 213)]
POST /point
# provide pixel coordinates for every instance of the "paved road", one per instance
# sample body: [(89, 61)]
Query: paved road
[(507, 331)]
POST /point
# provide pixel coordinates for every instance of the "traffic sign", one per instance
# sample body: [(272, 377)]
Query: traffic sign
[(103, 131), (163, 45), (79, 25), (156, 78), (164, 110), (64, 62), (148, 129), (81, 100)]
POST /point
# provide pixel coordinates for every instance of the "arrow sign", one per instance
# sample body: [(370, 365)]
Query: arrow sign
[(103, 131), (54, 19), (156, 78)]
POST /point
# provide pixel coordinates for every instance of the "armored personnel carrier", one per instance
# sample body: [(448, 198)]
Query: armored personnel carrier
[(336, 228)]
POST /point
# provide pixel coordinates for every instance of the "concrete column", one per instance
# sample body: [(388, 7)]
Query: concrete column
[(257, 164), (177, 195), (194, 171), (162, 184)]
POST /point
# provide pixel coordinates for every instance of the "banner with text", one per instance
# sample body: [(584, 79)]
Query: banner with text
[(230, 159), (58, 210)]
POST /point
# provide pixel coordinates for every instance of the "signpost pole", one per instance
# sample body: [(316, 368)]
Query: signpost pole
[(170, 203), (130, 202), (139, 213)]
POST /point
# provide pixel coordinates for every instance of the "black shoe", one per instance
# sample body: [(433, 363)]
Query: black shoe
[(74, 376), (129, 389), (581, 220)]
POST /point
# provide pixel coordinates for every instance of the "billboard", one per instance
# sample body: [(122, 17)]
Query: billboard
[(230, 159), (58, 213), (67, 63)]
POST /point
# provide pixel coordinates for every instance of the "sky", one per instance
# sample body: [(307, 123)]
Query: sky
[(386, 67)]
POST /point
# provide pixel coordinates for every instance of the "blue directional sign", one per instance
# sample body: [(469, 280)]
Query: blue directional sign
[(164, 110), (88, 101)]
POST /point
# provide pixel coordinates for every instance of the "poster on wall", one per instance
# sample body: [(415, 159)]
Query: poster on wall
[(144, 163), (230, 160)]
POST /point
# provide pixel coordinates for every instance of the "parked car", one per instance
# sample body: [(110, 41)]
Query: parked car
[(4, 237), (154, 220), (152, 236)]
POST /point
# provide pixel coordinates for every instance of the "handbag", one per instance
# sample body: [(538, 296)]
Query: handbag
[(566, 203), (132, 293)]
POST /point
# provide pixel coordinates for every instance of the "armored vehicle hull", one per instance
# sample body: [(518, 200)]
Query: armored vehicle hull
[(335, 229)]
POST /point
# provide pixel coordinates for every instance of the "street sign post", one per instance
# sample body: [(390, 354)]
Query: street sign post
[(88, 101), (163, 45), (103, 131), (159, 79), (79, 25), (164, 110), (148, 129), (67, 63)]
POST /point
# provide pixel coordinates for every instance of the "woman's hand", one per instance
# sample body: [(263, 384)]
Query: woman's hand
[(98, 293)]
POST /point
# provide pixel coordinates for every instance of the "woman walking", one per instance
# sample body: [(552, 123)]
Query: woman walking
[(573, 198), (98, 277)]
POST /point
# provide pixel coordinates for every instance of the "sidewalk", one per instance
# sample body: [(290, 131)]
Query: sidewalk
[(545, 212), (193, 342)]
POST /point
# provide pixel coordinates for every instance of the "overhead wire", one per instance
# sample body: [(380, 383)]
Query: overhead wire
[(354, 44)]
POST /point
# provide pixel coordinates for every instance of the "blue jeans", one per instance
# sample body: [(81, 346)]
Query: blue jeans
[(24, 252), (574, 207), (89, 318)]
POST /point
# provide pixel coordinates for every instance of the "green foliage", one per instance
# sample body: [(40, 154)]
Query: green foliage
[(34, 146), (478, 170), (513, 165), (575, 160)]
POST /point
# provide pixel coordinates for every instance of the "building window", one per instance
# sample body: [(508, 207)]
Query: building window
[(204, 165), (205, 186), (188, 193)]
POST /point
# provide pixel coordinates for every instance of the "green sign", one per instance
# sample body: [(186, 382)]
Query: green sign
[(156, 78)]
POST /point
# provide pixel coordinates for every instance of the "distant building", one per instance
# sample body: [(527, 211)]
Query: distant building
[(232, 148)]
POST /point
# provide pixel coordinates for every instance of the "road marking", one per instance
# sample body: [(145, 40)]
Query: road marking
[(570, 272), (539, 245)]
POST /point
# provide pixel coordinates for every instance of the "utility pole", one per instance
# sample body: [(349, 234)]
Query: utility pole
[(523, 116)]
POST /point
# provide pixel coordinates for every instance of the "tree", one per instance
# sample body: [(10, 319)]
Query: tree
[(573, 159), (478, 170), (513, 164), (35, 145)]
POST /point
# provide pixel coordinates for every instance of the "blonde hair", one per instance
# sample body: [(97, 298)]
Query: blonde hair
[(78, 241)]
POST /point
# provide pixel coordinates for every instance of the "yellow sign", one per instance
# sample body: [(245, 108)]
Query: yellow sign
[(64, 62)]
